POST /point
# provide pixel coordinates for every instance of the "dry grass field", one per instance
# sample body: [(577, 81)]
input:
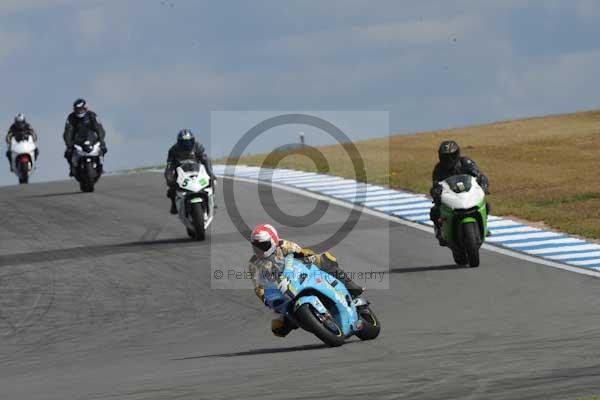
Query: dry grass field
[(542, 169)]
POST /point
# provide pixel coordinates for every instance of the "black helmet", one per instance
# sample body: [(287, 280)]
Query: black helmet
[(20, 120), (448, 153), (80, 107), (185, 139)]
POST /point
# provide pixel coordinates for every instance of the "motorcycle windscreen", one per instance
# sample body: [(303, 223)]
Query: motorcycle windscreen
[(460, 183), (86, 137)]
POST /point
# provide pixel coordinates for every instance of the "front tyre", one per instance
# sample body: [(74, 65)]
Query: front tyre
[(326, 330), (197, 214), (23, 172), (87, 174), (371, 325), (471, 243)]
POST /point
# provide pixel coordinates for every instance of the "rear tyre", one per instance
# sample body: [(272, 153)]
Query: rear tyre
[(371, 327), (460, 257), (197, 213), (472, 241), (331, 334)]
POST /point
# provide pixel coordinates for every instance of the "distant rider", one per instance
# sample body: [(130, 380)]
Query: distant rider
[(186, 148), (269, 252), (450, 164), (81, 119), (20, 128)]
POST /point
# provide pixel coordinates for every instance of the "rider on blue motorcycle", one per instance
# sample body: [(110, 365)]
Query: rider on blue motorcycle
[(269, 251)]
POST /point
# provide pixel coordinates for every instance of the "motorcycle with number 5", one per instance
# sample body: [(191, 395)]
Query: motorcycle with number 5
[(194, 198)]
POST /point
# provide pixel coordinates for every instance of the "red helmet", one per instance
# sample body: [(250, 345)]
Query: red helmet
[(264, 240)]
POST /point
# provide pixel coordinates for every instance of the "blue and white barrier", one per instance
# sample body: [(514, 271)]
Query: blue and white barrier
[(512, 235)]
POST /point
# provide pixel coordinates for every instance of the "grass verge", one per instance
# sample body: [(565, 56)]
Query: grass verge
[(542, 169)]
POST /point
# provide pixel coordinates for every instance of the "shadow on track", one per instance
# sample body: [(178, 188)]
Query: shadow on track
[(97, 251), (424, 269), (257, 352), (43, 196)]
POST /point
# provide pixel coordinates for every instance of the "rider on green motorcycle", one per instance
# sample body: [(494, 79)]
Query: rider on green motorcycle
[(267, 246), (450, 164)]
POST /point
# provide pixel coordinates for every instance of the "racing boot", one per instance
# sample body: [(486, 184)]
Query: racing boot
[(9, 161), (282, 326), (328, 263), (438, 233), (171, 196), (354, 289)]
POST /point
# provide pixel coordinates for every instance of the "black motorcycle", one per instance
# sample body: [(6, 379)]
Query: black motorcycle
[(87, 159)]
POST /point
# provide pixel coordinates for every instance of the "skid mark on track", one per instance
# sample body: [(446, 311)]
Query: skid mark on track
[(151, 233), (37, 311), (85, 252), (150, 244)]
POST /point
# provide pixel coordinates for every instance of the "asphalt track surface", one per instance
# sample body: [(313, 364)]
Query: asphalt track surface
[(103, 297)]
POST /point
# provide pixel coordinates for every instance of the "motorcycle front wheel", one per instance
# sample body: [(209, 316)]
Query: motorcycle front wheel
[(23, 172), (471, 243), (371, 325), (197, 214), (86, 177), (326, 330)]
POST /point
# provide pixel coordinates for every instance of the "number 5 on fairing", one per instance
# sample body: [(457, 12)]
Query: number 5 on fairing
[(194, 198)]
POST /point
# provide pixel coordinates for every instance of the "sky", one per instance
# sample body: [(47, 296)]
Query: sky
[(150, 68)]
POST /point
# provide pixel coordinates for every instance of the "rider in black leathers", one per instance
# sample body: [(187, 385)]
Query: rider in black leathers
[(20, 127), (186, 148), (79, 120), (451, 163)]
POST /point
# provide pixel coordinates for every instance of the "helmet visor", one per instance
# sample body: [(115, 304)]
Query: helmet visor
[(449, 159), (186, 144), (261, 247)]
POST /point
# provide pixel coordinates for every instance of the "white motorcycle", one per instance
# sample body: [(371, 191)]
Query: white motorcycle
[(22, 151), (87, 159), (194, 198)]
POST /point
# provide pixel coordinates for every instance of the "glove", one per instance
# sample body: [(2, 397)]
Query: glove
[(104, 151), (310, 259), (283, 285), (484, 183), (436, 193), (260, 293)]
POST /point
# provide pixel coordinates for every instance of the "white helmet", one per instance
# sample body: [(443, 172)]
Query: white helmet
[(264, 240)]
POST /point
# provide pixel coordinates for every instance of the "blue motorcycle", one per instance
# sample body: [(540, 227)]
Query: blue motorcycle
[(319, 303)]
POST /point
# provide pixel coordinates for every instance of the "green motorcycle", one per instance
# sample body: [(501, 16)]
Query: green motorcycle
[(464, 218)]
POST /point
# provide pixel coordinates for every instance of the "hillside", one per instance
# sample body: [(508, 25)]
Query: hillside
[(542, 169)]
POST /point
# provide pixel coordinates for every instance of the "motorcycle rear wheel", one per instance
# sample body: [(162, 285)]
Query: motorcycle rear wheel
[(460, 257)]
